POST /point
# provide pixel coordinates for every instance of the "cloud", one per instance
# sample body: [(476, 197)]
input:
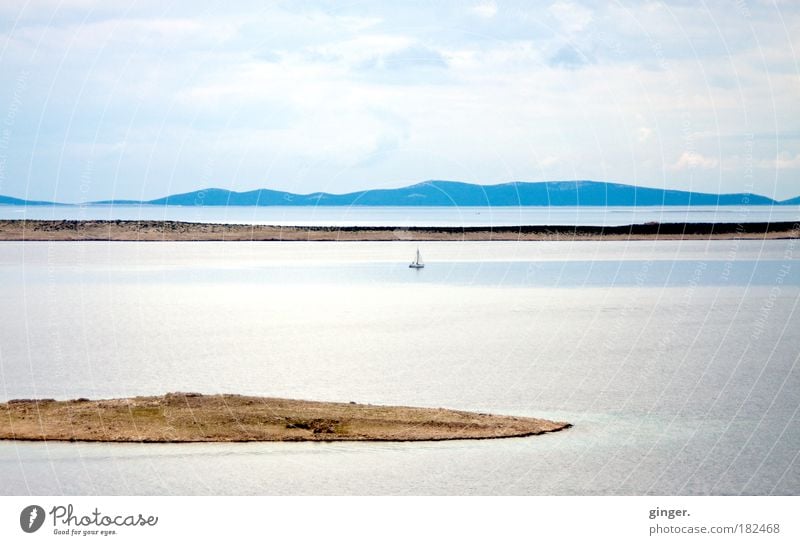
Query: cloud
[(644, 134), (548, 161), (572, 17), (692, 160), (355, 50), (782, 161), (487, 10), (407, 58), (569, 57), (132, 33)]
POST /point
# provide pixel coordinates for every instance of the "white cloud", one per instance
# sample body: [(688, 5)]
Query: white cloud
[(572, 17), (782, 161), (487, 10), (548, 161), (644, 134), (693, 160), (359, 48), (124, 36), (357, 24), (18, 6)]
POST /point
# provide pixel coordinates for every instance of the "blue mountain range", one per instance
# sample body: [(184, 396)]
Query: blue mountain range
[(446, 193)]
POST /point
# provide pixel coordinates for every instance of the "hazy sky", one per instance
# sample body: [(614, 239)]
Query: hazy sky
[(133, 99)]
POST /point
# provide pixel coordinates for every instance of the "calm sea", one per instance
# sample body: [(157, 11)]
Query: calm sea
[(411, 216), (677, 362)]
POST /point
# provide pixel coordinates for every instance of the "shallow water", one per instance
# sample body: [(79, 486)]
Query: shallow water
[(677, 362)]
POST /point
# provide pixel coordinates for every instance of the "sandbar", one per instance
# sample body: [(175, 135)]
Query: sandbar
[(191, 417)]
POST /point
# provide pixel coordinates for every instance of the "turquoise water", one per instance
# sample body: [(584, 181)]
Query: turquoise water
[(677, 362)]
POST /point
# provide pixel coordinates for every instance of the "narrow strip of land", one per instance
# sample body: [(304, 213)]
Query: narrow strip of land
[(47, 230), (189, 417)]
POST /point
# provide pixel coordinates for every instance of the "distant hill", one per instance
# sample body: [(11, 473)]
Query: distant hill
[(446, 193), (795, 201), (129, 202), (223, 197), (22, 202)]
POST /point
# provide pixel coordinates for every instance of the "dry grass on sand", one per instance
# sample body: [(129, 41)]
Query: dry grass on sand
[(187, 417)]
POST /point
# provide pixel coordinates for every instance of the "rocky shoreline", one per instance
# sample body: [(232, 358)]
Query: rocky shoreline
[(90, 230)]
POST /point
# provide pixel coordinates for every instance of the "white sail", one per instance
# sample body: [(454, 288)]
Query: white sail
[(417, 263)]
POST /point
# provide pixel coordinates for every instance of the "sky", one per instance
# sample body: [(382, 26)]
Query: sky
[(140, 99)]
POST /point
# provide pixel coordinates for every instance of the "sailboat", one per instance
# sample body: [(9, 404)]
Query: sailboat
[(417, 263)]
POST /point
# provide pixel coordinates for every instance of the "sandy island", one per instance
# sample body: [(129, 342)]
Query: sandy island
[(190, 417), (20, 230)]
